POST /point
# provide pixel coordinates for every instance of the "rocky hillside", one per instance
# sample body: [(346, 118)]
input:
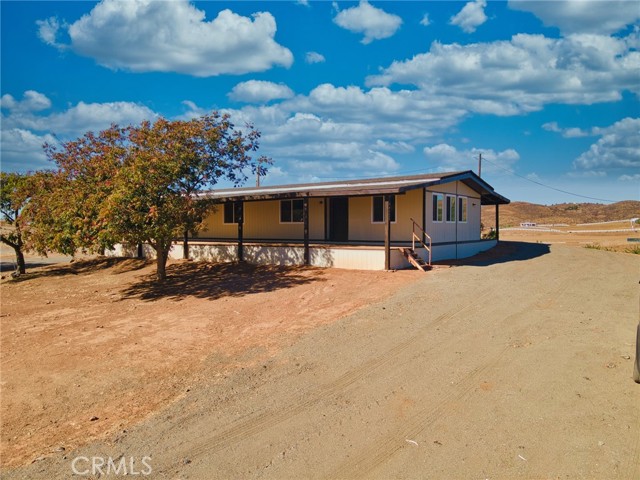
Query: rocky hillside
[(570, 213)]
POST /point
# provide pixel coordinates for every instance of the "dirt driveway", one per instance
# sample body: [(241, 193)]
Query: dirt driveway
[(515, 366)]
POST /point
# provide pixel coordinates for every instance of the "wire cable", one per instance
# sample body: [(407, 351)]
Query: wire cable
[(549, 186)]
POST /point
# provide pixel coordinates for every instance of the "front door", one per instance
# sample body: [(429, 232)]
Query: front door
[(339, 219)]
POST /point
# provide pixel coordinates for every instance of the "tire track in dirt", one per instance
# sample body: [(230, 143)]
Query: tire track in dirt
[(633, 468), (266, 420), (368, 460), (269, 419), (362, 465)]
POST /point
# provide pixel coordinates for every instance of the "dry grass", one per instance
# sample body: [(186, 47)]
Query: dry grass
[(615, 248)]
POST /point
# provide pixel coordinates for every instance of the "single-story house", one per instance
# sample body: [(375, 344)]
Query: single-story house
[(376, 223)]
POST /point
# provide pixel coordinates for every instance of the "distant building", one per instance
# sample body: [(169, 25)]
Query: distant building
[(528, 224)]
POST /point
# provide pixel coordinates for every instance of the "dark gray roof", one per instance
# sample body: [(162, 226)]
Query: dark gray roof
[(358, 187)]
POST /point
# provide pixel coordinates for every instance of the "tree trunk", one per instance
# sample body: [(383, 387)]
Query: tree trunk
[(161, 260), (22, 268), (17, 247), (161, 264), (185, 245)]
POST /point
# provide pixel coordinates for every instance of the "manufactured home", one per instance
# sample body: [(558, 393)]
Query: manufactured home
[(376, 223)]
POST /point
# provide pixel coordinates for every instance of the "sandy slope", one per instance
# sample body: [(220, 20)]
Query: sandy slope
[(516, 367)]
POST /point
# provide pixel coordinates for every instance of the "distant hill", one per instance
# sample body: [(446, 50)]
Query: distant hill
[(570, 213)]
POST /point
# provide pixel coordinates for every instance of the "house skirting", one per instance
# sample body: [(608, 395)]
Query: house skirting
[(357, 257)]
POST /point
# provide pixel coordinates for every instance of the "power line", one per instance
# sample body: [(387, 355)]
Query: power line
[(549, 186)]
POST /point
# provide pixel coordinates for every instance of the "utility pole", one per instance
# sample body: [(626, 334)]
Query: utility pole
[(480, 164)]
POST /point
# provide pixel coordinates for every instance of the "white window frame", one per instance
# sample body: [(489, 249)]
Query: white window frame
[(463, 200), (395, 209), (434, 199), (447, 210), (292, 222)]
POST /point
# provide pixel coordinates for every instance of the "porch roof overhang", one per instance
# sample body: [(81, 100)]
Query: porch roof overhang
[(353, 188)]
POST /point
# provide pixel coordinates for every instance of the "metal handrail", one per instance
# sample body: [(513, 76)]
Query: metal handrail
[(419, 238)]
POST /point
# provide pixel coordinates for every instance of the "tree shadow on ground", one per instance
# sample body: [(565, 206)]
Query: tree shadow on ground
[(502, 253), (11, 266), (215, 280), (117, 264)]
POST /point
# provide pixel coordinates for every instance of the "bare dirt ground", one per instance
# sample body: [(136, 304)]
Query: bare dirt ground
[(100, 339), (516, 364), (578, 236)]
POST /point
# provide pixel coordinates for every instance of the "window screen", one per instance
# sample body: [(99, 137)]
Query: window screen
[(232, 212), (462, 209), (291, 211), (438, 210), (451, 208), (377, 214)]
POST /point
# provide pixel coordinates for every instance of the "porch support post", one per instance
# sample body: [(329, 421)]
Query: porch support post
[(497, 222), (424, 209), (326, 218), (240, 219), (387, 233), (305, 220)]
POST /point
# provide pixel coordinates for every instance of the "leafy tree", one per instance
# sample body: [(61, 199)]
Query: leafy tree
[(167, 165), (140, 184), (65, 214), (14, 196)]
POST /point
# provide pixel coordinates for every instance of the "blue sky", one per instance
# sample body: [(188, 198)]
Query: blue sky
[(548, 90)]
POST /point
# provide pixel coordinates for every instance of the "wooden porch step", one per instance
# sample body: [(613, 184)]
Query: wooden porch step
[(415, 259)]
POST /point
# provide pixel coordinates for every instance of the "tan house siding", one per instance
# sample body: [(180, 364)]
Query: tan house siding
[(213, 225), (262, 221), (362, 228)]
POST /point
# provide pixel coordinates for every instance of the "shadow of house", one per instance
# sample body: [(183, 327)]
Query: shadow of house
[(212, 281), (504, 252)]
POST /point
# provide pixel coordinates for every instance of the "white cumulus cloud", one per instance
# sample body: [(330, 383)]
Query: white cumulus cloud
[(630, 178), (25, 128), (373, 22), (22, 150), (314, 57), (32, 101), (618, 148), (572, 132), (584, 16), (447, 157), (523, 74), (81, 117), (259, 91), (471, 16), (151, 36), (48, 31)]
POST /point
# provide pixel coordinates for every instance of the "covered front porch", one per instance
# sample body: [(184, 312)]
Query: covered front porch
[(370, 256)]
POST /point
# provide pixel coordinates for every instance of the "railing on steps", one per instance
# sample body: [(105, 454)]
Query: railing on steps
[(422, 238)]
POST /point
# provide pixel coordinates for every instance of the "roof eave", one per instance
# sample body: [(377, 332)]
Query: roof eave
[(488, 196)]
